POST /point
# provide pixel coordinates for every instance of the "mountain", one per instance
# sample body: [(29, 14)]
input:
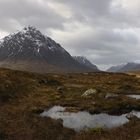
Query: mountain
[(84, 61), (115, 68), (30, 50), (130, 67), (126, 67)]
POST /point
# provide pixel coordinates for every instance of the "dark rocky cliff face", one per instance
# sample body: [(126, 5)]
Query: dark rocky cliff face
[(84, 61)]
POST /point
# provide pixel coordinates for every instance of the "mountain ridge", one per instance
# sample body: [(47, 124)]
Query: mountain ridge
[(83, 60), (130, 66), (30, 50)]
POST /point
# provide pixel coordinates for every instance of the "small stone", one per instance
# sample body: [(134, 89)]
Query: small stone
[(110, 95), (85, 73), (56, 76), (43, 81), (60, 89), (60, 121), (131, 116)]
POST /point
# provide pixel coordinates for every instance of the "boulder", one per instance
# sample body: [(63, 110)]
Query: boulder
[(89, 92)]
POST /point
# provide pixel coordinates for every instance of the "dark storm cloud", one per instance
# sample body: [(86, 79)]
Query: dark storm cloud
[(106, 31)]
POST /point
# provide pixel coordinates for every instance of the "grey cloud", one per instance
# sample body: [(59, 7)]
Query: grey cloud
[(106, 47), (88, 6), (25, 12), (112, 36)]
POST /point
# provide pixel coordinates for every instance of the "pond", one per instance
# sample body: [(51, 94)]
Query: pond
[(82, 120), (134, 96)]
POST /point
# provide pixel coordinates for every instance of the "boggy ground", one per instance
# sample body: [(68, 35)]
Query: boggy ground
[(23, 96)]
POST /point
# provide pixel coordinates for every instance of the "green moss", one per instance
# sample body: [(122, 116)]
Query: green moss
[(98, 129)]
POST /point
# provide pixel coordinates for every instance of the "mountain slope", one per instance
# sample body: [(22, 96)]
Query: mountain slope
[(84, 61), (30, 50)]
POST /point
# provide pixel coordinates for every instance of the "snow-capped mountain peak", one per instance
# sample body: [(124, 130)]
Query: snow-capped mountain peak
[(31, 39), (30, 46)]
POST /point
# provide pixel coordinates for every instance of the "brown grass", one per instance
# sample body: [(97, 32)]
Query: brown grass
[(23, 96)]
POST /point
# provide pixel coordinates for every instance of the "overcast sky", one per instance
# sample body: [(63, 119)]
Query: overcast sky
[(105, 31)]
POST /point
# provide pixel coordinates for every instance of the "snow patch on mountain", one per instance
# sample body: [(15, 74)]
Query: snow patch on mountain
[(29, 46), (33, 36), (84, 61)]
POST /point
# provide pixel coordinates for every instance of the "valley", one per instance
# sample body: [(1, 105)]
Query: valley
[(25, 95), (69, 70)]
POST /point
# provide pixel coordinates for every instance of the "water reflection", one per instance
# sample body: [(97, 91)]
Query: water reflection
[(82, 120), (134, 96)]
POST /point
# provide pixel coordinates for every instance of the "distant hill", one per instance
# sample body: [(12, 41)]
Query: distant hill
[(115, 68), (125, 68), (30, 50)]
